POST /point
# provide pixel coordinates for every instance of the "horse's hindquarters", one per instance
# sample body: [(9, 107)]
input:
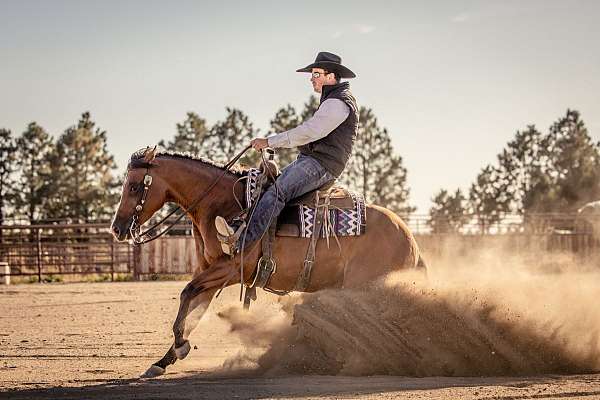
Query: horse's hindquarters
[(386, 246)]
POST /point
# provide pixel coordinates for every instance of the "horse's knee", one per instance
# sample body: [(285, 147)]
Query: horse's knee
[(185, 293), (190, 291)]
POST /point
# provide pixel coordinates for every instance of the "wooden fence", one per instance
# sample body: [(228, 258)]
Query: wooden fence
[(173, 255), (42, 250)]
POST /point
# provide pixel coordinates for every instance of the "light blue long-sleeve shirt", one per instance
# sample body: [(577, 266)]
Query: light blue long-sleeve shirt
[(329, 116)]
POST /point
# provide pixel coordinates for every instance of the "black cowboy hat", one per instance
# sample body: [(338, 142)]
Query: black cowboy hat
[(329, 62)]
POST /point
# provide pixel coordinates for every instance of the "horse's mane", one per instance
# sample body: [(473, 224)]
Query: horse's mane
[(137, 160)]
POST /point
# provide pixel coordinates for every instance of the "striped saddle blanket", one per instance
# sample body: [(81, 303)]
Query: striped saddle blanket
[(346, 212)]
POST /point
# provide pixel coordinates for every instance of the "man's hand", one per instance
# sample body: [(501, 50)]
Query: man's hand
[(259, 143)]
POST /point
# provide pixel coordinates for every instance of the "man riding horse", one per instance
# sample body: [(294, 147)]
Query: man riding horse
[(325, 143)]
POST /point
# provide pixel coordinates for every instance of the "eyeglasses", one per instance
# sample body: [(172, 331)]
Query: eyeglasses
[(317, 74)]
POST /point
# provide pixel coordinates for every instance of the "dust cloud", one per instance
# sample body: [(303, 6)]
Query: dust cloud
[(482, 314)]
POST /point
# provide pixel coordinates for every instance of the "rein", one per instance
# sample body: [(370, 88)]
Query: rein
[(147, 182)]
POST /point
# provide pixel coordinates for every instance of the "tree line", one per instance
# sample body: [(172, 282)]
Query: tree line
[(555, 172), (72, 178)]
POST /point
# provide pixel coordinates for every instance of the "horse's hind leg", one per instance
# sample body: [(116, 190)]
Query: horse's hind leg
[(197, 294)]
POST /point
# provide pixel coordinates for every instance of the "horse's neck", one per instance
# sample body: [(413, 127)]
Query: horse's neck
[(189, 181), (206, 187)]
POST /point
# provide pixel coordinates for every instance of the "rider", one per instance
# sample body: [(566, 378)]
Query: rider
[(325, 143)]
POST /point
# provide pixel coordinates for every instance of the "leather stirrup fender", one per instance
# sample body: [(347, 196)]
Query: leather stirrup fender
[(304, 277)]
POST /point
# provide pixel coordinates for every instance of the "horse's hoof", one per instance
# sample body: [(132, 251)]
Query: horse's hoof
[(153, 371), (182, 351)]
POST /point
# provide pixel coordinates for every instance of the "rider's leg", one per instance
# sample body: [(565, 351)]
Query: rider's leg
[(300, 177)]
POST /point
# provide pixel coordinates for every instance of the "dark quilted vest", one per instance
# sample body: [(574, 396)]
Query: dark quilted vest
[(334, 150)]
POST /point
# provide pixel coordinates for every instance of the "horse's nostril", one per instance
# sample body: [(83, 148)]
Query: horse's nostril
[(116, 230)]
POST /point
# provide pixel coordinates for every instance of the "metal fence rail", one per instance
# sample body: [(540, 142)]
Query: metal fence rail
[(531, 223), (81, 249), (50, 249)]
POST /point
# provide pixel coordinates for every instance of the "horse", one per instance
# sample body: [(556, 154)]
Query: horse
[(204, 190)]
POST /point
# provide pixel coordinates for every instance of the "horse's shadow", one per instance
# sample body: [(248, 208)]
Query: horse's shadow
[(215, 386)]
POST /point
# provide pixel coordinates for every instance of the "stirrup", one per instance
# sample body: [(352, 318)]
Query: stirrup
[(228, 236)]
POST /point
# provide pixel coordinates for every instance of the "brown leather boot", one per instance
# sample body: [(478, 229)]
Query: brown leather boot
[(228, 235)]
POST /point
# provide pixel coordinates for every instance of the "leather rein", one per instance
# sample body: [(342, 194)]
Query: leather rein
[(137, 237)]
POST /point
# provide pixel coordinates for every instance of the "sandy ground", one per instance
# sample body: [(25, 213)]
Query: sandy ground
[(92, 340)]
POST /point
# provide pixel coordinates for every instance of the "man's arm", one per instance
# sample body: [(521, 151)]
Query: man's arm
[(328, 117)]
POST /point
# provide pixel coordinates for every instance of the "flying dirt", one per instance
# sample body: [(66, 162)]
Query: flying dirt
[(488, 315)]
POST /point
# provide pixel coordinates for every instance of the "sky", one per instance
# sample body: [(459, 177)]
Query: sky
[(452, 81)]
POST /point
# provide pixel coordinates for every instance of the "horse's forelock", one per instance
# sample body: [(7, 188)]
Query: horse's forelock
[(137, 160)]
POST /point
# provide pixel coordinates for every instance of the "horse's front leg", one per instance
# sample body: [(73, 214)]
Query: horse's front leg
[(197, 294), (159, 367)]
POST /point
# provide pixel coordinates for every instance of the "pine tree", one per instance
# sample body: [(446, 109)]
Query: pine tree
[(310, 107), (571, 176), (518, 166), (35, 185), (190, 137), (7, 168), (284, 120), (557, 172), (82, 170), (448, 214), (374, 169), (486, 198), (230, 136)]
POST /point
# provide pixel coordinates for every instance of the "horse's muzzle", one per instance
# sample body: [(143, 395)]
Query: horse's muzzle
[(120, 231)]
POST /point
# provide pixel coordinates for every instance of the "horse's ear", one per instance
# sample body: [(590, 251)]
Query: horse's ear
[(150, 154)]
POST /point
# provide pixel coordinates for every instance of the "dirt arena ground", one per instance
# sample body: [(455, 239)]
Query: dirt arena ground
[(92, 340)]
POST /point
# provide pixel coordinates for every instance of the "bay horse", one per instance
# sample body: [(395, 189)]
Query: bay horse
[(386, 245)]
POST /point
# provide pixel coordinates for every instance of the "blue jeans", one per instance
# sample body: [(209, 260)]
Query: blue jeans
[(300, 177)]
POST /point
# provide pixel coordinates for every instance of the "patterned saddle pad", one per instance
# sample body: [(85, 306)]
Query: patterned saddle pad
[(347, 213)]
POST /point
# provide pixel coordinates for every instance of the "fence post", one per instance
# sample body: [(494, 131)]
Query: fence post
[(39, 253), (5, 268), (137, 255)]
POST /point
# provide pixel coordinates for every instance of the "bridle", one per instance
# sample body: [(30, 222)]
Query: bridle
[(138, 238), (134, 227)]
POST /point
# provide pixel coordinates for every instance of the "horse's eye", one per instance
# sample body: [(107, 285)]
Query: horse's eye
[(133, 188)]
